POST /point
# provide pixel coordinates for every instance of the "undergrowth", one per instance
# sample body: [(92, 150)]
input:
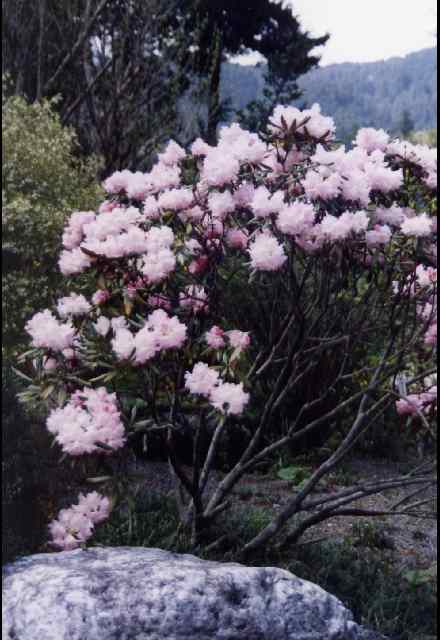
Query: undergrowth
[(362, 576)]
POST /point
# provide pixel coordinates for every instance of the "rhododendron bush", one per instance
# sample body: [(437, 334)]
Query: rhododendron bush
[(210, 294)]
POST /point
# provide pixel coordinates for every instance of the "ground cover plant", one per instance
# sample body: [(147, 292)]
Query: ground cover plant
[(276, 285)]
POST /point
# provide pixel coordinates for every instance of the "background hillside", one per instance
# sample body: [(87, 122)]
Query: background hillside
[(373, 94)]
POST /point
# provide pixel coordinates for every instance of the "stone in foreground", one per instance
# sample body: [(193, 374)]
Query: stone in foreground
[(147, 594)]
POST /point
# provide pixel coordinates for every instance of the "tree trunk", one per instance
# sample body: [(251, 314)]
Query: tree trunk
[(214, 98)]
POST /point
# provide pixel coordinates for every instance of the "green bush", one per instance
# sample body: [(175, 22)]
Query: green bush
[(43, 180)]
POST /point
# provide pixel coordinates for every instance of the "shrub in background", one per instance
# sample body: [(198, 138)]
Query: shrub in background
[(43, 179)]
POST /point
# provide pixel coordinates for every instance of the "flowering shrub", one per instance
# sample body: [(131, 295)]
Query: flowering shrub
[(212, 289)]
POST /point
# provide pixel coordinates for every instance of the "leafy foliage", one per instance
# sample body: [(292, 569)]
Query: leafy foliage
[(43, 179)]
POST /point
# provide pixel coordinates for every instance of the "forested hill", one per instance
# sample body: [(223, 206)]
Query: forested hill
[(372, 94)]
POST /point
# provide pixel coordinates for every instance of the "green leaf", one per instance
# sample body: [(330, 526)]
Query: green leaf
[(99, 480), (293, 474), (21, 375), (48, 392)]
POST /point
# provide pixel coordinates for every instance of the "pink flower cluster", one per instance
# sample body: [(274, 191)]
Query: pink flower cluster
[(73, 305), (420, 155), (228, 398), (217, 338), (266, 253), (160, 333), (417, 403), (195, 299), (48, 333), (311, 122), (74, 526), (89, 423)]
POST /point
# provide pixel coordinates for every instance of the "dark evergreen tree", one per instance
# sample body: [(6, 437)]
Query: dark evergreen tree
[(119, 67), (406, 126), (230, 27)]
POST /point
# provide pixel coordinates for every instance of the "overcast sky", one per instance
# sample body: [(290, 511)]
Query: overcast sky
[(369, 30)]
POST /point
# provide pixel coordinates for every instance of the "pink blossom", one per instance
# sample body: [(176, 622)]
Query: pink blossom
[(107, 206), (123, 344), (200, 148), (202, 380), (384, 179), (290, 115), (73, 305), (244, 195), (74, 262), (318, 186), (176, 199), (213, 227), (158, 266), (50, 364), (372, 139), (163, 177), (117, 182), (334, 228), (229, 398), (101, 297), (119, 322), (104, 226), (265, 204), (159, 238), (102, 326), (89, 419), (93, 506), (426, 276), (221, 204), (297, 218), (266, 253), (215, 338), (69, 354), (74, 231), (146, 346), (194, 298), (199, 266), (319, 126), (431, 335), (237, 239), (172, 155), (75, 526), (193, 247), (393, 216), (70, 530), (432, 180), (239, 339), (195, 214), (168, 332), (418, 227), (380, 235), (47, 332), (151, 208), (219, 168), (356, 187), (137, 187), (310, 121)]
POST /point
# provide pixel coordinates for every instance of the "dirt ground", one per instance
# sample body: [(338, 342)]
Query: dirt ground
[(411, 542)]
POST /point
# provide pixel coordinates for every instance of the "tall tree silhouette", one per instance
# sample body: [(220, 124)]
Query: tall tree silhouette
[(230, 27)]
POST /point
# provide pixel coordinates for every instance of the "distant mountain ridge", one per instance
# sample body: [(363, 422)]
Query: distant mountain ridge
[(355, 94)]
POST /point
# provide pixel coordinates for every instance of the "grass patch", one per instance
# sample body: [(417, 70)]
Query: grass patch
[(361, 576)]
